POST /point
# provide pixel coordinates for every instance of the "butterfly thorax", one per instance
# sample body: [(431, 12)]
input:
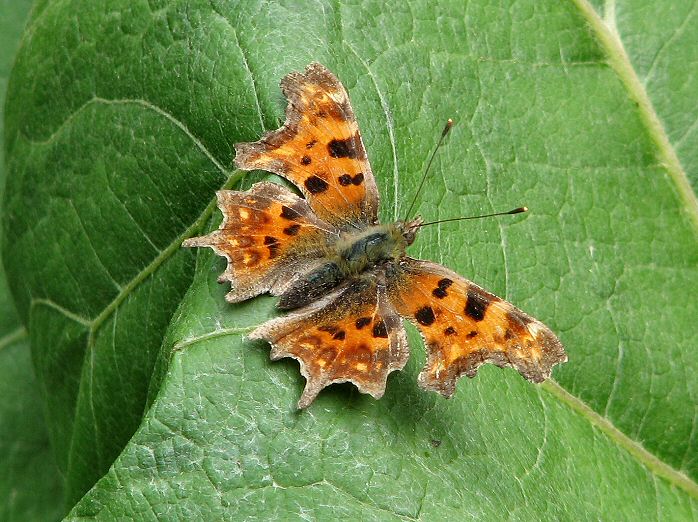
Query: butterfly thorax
[(354, 254)]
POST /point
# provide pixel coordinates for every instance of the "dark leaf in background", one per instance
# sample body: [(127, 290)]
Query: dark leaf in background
[(30, 484)]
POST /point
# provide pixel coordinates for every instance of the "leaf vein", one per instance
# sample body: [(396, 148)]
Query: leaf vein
[(246, 64), (12, 337), (37, 301)]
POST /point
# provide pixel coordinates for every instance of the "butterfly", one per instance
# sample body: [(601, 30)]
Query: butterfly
[(345, 278)]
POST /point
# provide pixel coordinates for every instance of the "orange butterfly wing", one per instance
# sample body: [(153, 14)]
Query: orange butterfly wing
[(464, 326), (352, 335), (319, 149), (268, 235)]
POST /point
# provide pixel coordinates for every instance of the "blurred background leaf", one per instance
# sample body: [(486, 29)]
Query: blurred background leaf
[(30, 484)]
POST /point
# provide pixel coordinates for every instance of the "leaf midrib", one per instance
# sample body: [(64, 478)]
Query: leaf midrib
[(655, 465), (611, 43)]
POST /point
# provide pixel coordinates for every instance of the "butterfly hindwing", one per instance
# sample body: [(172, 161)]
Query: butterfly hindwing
[(268, 236), (319, 149), (352, 335), (464, 326)]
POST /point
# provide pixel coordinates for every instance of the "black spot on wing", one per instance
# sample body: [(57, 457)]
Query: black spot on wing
[(476, 305), (342, 148), (362, 321), (439, 292), (379, 329), (273, 245), (289, 213), (339, 335), (346, 179), (292, 230), (450, 331), (444, 283), (425, 316), (441, 286), (316, 185), (305, 160)]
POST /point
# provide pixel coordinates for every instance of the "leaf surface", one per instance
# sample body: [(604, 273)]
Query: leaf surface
[(126, 132)]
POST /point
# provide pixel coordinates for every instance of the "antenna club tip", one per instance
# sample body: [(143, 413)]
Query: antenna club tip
[(449, 124), (524, 209)]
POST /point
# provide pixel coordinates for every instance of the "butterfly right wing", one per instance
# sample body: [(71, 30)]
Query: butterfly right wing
[(269, 237)]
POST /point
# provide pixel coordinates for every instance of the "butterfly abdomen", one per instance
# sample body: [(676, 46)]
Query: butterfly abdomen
[(312, 285)]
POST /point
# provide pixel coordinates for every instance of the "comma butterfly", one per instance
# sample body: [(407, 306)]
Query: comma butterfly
[(347, 277)]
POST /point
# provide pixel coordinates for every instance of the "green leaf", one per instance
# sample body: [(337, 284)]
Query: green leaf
[(30, 486), (120, 128)]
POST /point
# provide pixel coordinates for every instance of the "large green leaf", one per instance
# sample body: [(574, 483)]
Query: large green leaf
[(30, 486), (121, 127)]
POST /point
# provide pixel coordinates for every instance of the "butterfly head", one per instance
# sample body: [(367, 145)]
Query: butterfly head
[(409, 229)]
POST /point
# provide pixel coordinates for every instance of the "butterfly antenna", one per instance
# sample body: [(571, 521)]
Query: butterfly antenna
[(447, 128), (514, 211)]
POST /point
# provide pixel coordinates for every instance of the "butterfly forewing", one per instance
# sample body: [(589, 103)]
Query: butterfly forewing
[(319, 149)]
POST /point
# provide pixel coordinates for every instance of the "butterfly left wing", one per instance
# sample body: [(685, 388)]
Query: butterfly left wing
[(269, 236), (319, 149), (464, 326), (351, 335)]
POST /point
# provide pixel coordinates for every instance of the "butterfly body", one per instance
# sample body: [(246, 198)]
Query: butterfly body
[(355, 254), (346, 278)]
